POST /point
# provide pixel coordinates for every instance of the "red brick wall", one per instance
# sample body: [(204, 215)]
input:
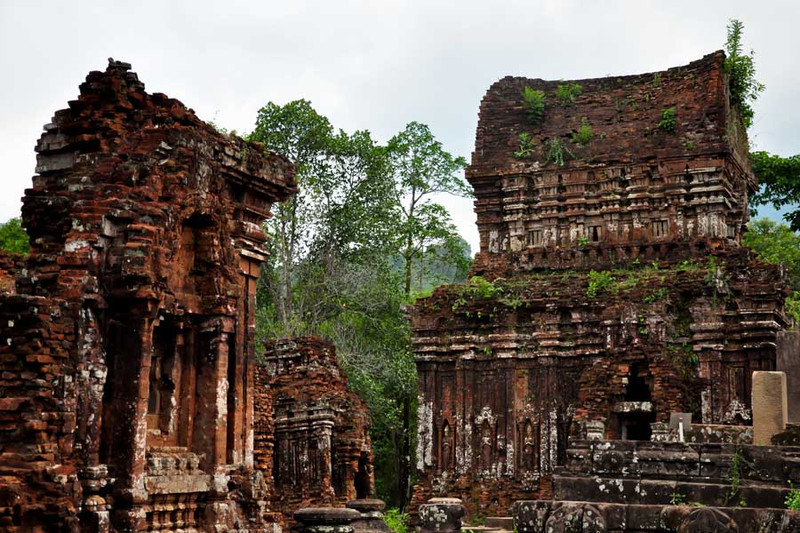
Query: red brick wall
[(145, 244)]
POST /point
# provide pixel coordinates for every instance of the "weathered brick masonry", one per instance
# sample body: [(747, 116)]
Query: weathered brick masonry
[(316, 445), (618, 291), (127, 351), (10, 264)]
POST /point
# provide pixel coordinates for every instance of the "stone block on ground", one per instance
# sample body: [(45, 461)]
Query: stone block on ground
[(371, 519), (325, 520), (441, 514)]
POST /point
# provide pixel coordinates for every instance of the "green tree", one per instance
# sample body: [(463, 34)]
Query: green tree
[(339, 269), (779, 181), (297, 131), (778, 244), (340, 211), (422, 170), (13, 237)]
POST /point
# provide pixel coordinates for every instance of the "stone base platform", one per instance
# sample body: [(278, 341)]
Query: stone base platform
[(586, 517), (661, 487)]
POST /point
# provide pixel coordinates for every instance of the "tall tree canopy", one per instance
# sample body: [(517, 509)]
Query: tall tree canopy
[(362, 231), (422, 169), (338, 214)]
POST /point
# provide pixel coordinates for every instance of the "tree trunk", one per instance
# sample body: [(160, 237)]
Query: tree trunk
[(407, 288), (285, 292), (397, 495), (405, 454)]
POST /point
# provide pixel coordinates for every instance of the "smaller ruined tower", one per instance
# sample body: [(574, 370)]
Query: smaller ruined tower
[(312, 432)]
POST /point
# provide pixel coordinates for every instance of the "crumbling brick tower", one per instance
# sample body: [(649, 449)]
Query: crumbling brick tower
[(127, 352), (614, 291)]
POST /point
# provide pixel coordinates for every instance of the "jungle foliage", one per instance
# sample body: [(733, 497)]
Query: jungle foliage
[(363, 236)]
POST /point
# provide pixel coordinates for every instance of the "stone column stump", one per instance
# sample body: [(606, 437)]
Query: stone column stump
[(371, 520), (441, 514), (325, 520), (770, 408)]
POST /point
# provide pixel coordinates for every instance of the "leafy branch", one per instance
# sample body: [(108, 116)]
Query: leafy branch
[(741, 70)]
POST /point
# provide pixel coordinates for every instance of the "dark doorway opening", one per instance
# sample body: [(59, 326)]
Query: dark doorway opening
[(362, 481)]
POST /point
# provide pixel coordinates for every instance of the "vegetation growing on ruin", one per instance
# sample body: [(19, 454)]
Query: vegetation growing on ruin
[(478, 288), (534, 102), (656, 295), (557, 152), (526, 146), (567, 93), (740, 67), (600, 282), (734, 476), (667, 122), (676, 498), (657, 79), (793, 499), (684, 357), (585, 133), (513, 293)]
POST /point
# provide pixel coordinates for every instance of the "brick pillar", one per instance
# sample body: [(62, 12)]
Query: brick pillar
[(132, 343), (770, 410), (211, 410), (246, 331)]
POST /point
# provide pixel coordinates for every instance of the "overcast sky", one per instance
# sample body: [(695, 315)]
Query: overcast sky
[(369, 64)]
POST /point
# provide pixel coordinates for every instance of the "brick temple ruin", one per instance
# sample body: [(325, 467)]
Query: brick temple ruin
[(130, 398), (312, 432), (614, 292)]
